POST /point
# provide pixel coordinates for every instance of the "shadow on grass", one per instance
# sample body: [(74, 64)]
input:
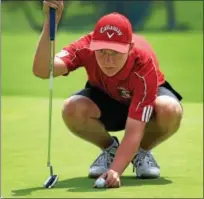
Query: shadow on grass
[(84, 184)]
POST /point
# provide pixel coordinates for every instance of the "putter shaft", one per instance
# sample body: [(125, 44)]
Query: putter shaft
[(51, 71)]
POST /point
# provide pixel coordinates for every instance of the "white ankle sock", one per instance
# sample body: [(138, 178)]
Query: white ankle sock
[(143, 150)]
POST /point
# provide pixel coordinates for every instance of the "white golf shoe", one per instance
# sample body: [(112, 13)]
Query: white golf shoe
[(145, 164), (104, 160)]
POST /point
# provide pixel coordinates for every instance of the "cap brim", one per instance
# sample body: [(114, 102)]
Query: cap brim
[(118, 47)]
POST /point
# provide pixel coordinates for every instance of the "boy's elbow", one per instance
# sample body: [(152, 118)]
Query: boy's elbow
[(40, 74)]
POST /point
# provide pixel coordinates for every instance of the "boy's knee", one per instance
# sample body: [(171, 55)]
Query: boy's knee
[(77, 109), (168, 110), (74, 107)]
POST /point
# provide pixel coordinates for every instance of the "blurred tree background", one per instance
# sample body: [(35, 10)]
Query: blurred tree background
[(82, 15)]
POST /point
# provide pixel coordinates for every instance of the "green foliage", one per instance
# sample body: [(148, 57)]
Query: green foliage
[(189, 13), (82, 15)]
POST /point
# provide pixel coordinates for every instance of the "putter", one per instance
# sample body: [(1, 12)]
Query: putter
[(52, 179)]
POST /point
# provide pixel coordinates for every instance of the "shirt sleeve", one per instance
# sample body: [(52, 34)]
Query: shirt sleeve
[(144, 95), (73, 55)]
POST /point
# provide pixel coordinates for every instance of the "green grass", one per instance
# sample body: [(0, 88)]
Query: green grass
[(24, 153)]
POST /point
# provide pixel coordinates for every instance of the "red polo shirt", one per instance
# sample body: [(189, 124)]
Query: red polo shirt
[(136, 84)]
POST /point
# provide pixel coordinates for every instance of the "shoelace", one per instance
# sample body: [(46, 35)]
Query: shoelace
[(104, 159), (137, 161)]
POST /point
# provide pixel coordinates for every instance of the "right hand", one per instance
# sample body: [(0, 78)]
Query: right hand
[(57, 4)]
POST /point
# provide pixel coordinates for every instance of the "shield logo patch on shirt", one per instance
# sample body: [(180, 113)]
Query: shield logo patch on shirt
[(124, 93)]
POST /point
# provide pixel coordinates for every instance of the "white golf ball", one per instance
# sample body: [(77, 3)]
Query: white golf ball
[(100, 183)]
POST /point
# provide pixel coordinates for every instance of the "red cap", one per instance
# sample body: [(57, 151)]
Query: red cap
[(112, 31)]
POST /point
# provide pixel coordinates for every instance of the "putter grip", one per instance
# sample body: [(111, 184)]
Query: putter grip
[(52, 24)]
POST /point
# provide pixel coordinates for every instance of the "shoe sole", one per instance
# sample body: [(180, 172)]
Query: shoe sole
[(147, 177), (93, 176)]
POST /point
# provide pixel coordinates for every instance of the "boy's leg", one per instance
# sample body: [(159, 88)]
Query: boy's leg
[(164, 123), (81, 115), (90, 114)]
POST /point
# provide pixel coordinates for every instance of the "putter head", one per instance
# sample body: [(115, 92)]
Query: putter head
[(51, 181)]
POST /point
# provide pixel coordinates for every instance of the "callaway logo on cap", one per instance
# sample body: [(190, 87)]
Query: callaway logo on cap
[(112, 31)]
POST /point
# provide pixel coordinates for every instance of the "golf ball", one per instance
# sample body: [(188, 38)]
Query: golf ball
[(100, 183)]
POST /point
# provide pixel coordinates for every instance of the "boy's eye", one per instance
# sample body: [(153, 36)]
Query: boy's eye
[(102, 51), (105, 52)]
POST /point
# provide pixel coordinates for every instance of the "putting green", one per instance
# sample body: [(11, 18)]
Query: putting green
[(24, 154)]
